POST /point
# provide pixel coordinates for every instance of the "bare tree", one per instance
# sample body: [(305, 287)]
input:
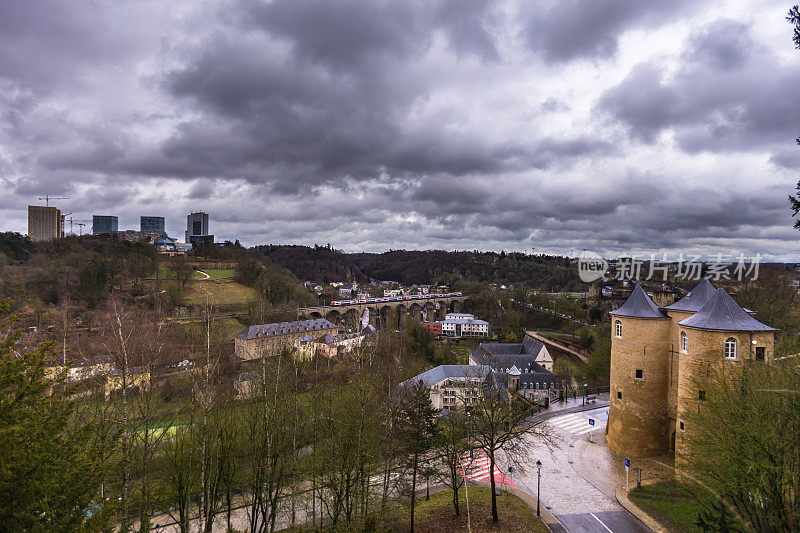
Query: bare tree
[(179, 475), (499, 424), (452, 448)]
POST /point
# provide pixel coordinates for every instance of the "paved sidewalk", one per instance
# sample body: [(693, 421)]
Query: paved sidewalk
[(572, 406), (605, 470)]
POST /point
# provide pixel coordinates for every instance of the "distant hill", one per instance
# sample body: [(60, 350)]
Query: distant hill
[(325, 264), (319, 264), (431, 266)]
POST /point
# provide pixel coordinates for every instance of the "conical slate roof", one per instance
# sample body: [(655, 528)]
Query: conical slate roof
[(723, 313), (695, 299), (639, 305)]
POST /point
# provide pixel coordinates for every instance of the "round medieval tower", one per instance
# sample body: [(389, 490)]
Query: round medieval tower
[(691, 303), (637, 419), (722, 333)]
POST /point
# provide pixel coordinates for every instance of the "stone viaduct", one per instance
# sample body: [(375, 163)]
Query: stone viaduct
[(385, 314)]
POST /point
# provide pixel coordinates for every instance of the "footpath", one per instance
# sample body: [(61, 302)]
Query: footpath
[(572, 405), (605, 470)]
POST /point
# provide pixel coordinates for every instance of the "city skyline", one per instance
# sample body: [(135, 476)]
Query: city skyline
[(613, 126)]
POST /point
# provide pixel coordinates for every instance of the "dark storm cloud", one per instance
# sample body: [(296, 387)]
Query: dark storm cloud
[(389, 124), (566, 30), (44, 44), (332, 107)]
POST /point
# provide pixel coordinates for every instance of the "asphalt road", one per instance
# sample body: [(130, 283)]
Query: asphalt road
[(578, 505)]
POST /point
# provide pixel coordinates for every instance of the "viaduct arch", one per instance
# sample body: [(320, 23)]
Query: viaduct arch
[(382, 315)]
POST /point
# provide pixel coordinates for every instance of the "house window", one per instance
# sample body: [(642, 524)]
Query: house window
[(684, 342), (701, 395), (638, 373), (760, 353), (681, 426), (730, 348), (618, 329), (619, 395)]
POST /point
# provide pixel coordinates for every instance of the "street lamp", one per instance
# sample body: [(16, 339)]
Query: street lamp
[(538, 484), (427, 484)]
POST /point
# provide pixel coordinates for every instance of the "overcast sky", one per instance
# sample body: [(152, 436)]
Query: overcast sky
[(610, 125)]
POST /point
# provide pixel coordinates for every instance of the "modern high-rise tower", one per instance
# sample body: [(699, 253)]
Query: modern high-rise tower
[(197, 227), (104, 223), (151, 224), (45, 223)]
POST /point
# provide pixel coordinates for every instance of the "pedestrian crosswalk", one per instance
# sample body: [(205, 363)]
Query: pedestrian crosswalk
[(575, 423), (475, 466)]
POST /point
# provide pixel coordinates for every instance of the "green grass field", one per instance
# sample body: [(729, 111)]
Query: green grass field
[(673, 504), (228, 326), (218, 274), (437, 516), (227, 293)]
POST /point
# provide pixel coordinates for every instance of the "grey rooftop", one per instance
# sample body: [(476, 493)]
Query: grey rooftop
[(442, 372), (721, 312), (283, 328), (639, 305), (696, 298)]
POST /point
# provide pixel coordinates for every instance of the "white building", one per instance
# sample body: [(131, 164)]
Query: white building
[(464, 325), (452, 385)]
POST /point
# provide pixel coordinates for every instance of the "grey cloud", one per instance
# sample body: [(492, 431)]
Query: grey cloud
[(643, 102), (721, 99), (722, 45), (788, 159), (566, 30), (376, 125)]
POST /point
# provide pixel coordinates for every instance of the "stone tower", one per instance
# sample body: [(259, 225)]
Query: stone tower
[(660, 357), (721, 333), (637, 420), (694, 300)]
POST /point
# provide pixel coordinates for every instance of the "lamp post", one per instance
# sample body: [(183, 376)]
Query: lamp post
[(538, 484), (427, 484)]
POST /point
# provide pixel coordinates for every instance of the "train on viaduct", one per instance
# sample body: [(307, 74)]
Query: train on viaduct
[(386, 312)]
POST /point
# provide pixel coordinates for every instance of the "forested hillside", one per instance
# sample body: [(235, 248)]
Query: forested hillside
[(321, 264), (431, 266), (324, 264)]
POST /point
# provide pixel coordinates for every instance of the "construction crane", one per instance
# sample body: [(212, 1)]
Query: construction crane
[(47, 198), (77, 221)]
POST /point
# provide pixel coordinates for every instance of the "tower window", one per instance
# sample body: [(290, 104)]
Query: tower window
[(730, 348), (684, 342), (618, 329), (760, 353), (701, 395), (639, 373), (619, 395), (681, 426)]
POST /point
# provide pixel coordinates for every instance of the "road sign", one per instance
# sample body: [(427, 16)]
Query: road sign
[(591, 421), (627, 465)]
